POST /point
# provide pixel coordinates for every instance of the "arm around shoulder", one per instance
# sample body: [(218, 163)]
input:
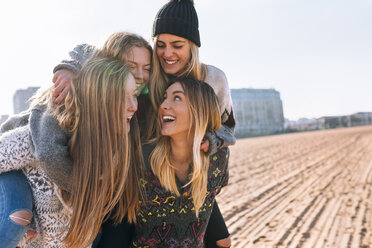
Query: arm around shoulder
[(51, 147), (78, 56)]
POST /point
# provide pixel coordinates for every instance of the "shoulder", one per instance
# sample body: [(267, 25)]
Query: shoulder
[(217, 79), (215, 73)]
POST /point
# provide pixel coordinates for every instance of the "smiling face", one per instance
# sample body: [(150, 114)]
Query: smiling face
[(174, 113), (138, 60), (131, 99), (173, 53)]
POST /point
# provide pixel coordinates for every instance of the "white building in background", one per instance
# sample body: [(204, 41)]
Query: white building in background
[(257, 112), (21, 97)]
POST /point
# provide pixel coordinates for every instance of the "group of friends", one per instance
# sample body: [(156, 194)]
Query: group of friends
[(128, 148)]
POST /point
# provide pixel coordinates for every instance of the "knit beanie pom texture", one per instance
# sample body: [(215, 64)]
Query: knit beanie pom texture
[(178, 17)]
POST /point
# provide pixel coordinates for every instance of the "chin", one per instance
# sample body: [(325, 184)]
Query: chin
[(164, 133), (171, 71)]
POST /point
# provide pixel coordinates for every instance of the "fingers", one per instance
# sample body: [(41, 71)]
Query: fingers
[(63, 94), (204, 146), (31, 233), (58, 88), (62, 80)]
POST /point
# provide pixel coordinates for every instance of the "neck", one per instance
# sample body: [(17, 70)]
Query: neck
[(181, 151)]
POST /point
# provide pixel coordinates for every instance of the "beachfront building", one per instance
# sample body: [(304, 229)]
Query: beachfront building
[(257, 112), (21, 97)]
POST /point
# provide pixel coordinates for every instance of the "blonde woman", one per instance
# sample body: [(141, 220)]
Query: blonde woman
[(96, 114), (181, 182)]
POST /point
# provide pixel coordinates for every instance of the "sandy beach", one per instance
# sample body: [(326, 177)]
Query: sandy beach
[(309, 189)]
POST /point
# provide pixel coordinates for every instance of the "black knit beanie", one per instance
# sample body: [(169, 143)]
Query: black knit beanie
[(178, 17)]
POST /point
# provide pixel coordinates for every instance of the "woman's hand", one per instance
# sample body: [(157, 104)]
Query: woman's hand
[(30, 234), (224, 242), (204, 146), (62, 80)]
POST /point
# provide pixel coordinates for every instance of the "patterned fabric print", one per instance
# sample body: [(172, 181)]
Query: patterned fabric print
[(49, 217), (165, 220)]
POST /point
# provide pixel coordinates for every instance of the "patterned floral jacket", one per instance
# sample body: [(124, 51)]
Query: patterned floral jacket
[(165, 220)]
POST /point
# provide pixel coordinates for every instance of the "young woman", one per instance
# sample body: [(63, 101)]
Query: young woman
[(176, 53), (135, 52), (180, 181), (96, 114)]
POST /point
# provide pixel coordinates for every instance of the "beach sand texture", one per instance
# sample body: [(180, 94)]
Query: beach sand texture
[(309, 189)]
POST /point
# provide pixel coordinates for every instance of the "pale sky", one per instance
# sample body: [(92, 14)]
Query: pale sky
[(317, 54)]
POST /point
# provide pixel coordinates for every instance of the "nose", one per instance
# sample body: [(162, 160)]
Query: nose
[(139, 76), (168, 52), (132, 105), (164, 105)]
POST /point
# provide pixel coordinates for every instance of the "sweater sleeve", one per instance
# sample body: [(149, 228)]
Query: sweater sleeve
[(15, 149), (51, 147), (78, 56), (223, 137), (14, 121), (219, 172)]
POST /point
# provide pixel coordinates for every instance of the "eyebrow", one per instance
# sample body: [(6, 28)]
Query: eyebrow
[(178, 91), (133, 62)]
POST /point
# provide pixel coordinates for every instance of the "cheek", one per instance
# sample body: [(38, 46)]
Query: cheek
[(158, 52), (185, 57), (146, 76)]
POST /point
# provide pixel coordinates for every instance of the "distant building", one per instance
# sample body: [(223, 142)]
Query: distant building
[(361, 119), (328, 122), (303, 124), (21, 97), (257, 112)]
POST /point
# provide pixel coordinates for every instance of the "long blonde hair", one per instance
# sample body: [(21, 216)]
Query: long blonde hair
[(159, 82), (107, 161), (204, 112)]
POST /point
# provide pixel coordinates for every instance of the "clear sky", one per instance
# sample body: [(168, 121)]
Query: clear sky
[(317, 54)]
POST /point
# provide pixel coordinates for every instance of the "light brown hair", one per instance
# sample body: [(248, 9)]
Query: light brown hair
[(107, 160)]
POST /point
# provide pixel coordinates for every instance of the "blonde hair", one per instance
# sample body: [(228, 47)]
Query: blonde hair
[(159, 83), (106, 159), (204, 112), (118, 44)]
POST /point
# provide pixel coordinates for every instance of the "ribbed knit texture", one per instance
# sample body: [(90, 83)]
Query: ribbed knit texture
[(178, 18)]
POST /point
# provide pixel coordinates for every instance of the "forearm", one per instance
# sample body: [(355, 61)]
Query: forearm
[(78, 56)]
